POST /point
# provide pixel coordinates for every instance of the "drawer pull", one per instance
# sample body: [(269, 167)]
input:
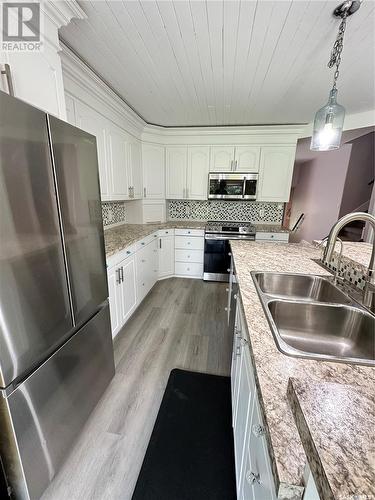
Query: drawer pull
[(128, 252), (252, 477), (258, 430), (142, 243)]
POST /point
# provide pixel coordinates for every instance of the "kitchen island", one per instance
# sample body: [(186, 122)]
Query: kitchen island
[(273, 370)]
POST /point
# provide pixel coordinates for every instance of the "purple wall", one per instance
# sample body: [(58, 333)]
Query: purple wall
[(318, 190), (361, 171)]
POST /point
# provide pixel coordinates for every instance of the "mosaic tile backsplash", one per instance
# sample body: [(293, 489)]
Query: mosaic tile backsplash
[(114, 212), (246, 211)]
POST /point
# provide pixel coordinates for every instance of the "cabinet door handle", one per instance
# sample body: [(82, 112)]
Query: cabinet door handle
[(144, 193), (118, 276), (235, 164), (238, 350), (122, 274), (159, 242), (252, 477), (8, 75), (258, 430)]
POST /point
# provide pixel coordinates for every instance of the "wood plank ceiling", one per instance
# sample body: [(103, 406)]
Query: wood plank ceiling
[(197, 62)]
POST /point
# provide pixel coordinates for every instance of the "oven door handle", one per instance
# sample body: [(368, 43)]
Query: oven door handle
[(234, 237)]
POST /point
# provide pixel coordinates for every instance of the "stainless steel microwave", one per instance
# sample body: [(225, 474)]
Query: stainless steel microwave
[(230, 186)]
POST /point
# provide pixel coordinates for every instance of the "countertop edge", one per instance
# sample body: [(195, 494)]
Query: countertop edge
[(308, 444)]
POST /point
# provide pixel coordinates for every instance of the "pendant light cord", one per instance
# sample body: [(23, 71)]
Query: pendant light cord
[(335, 59)]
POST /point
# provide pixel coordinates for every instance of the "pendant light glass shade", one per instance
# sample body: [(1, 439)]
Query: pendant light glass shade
[(328, 125)]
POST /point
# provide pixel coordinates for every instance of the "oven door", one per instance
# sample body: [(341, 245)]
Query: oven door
[(216, 259), (229, 186)]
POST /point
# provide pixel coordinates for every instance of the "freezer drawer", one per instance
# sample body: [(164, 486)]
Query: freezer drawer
[(42, 418)]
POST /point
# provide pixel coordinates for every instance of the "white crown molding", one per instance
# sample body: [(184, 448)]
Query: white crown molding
[(77, 71), (352, 121), (61, 12), (262, 134)]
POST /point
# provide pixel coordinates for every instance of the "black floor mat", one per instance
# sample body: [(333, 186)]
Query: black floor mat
[(190, 455)]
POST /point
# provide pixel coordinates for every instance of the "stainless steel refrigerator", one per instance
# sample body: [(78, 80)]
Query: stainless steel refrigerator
[(56, 353)]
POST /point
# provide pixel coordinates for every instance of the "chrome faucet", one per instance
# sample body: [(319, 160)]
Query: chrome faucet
[(369, 290)]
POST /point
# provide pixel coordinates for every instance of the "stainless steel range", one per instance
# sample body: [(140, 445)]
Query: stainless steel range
[(217, 248)]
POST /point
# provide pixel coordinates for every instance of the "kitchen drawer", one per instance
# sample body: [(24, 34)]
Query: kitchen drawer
[(284, 237), (165, 232), (189, 256), (146, 240), (189, 232), (189, 243), (186, 269)]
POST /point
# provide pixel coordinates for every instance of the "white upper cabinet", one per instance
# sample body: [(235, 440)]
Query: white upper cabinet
[(176, 165), (92, 122), (275, 173), (118, 160), (153, 171), (197, 172), (247, 159), (135, 169), (221, 158), (234, 158)]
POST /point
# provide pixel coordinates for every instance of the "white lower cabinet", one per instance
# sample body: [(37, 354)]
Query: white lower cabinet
[(254, 479), (132, 272), (122, 292), (166, 253), (147, 263), (189, 248)]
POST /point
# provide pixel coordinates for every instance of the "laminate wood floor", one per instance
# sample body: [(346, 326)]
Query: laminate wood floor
[(180, 324)]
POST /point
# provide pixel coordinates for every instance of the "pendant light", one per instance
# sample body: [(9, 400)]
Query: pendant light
[(329, 120)]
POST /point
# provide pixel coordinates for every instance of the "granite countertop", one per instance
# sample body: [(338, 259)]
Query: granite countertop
[(119, 237), (273, 369), (270, 228), (336, 424)]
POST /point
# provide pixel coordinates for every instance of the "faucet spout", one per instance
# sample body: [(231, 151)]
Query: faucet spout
[(332, 238)]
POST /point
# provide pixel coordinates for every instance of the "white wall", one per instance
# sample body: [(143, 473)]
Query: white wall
[(318, 191), (37, 76)]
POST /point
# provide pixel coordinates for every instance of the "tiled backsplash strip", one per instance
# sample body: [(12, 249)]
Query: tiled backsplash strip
[(114, 212), (246, 211)]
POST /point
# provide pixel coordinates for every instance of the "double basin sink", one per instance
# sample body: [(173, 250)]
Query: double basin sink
[(310, 317)]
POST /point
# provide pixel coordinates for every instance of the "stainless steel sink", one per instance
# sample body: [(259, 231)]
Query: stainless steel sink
[(342, 333), (312, 318), (301, 286)]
